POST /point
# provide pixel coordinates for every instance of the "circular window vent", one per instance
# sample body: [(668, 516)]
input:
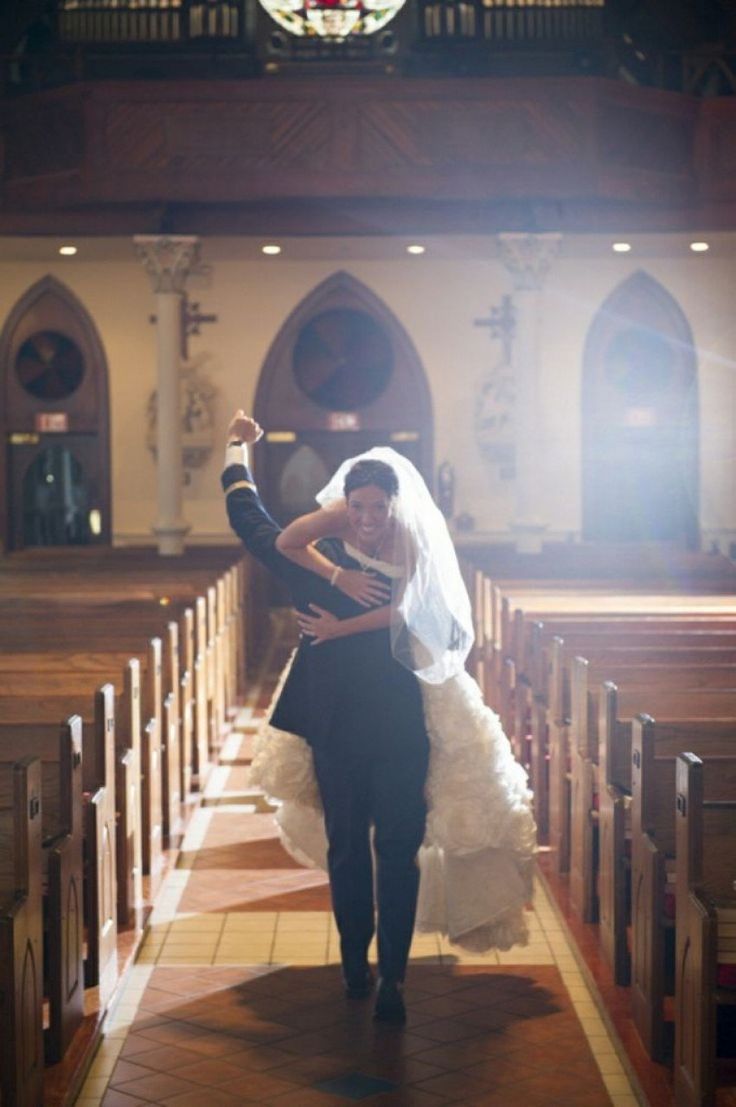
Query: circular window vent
[(49, 366)]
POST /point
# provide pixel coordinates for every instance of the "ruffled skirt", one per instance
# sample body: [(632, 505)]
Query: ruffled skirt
[(477, 858)]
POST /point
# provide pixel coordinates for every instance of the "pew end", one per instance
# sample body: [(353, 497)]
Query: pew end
[(21, 934), (706, 914)]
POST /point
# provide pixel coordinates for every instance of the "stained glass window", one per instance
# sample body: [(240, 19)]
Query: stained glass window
[(336, 19)]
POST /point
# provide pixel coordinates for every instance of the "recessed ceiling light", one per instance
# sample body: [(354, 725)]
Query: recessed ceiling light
[(699, 247), (415, 248), (67, 251), (621, 247), (272, 249)]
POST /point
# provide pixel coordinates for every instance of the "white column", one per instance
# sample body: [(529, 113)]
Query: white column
[(528, 258), (168, 259)]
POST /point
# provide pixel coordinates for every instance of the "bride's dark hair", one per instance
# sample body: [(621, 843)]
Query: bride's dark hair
[(371, 471)]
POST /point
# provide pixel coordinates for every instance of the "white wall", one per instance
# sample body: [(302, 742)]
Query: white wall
[(436, 297)]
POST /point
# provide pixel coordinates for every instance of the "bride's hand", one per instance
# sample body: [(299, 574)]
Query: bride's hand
[(320, 627), (243, 427), (365, 588)]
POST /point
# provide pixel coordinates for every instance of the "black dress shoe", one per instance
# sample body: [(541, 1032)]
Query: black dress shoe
[(389, 1003), (358, 982)]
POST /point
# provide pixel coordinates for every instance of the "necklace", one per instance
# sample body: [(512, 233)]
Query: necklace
[(385, 546), (374, 554)]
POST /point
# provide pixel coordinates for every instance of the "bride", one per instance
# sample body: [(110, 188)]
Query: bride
[(480, 837)]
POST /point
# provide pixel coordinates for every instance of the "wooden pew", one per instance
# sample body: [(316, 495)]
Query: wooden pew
[(108, 630), (91, 633), (680, 649), (101, 967), (617, 758), (668, 698), (139, 730), (204, 711), (162, 672), (567, 571), (522, 674), (100, 833), (705, 921), (582, 631), (654, 750), (59, 750), (548, 741), (76, 616), (551, 710), (540, 672), (553, 645), (77, 692), (21, 935), (129, 799)]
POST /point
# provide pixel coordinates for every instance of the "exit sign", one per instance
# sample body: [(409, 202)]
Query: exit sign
[(52, 422), (343, 421)]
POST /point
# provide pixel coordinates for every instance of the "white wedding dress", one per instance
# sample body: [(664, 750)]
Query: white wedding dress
[(477, 858)]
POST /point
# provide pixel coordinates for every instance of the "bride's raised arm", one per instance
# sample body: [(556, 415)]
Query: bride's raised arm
[(326, 522), (297, 540)]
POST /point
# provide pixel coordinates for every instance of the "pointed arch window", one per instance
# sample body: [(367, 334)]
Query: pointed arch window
[(640, 456), (54, 416)]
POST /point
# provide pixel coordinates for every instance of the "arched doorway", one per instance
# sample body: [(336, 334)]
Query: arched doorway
[(55, 470), (342, 375), (640, 419)]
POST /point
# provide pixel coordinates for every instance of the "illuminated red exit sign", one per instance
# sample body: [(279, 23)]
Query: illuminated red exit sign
[(52, 422)]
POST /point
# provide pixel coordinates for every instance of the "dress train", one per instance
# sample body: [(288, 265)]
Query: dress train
[(476, 862)]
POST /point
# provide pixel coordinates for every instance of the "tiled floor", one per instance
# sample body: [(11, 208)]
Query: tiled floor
[(236, 996)]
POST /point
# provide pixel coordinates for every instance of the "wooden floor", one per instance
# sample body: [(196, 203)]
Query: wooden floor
[(236, 994)]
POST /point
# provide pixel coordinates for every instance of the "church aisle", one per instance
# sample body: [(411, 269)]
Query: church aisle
[(236, 996)]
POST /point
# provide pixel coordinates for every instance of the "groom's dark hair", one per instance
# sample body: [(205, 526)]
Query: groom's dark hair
[(371, 471)]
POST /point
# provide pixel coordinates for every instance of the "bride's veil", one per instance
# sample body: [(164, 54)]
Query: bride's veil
[(431, 623)]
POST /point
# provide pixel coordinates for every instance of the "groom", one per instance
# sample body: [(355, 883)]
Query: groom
[(309, 705)]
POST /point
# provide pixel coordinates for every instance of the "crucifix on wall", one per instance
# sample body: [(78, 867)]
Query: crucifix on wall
[(197, 399), (191, 319), (501, 323)]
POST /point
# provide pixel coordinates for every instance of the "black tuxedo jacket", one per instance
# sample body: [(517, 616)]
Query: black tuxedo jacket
[(350, 680)]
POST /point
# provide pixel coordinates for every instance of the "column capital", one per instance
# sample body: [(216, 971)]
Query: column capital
[(168, 259), (528, 257)]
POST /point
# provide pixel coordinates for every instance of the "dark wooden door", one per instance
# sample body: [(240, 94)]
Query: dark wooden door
[(644, 487), (56, 498), (54, 420), (295, 471)]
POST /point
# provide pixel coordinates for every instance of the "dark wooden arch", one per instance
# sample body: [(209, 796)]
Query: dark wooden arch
[(400, 417), (50, 305), (640, 464)]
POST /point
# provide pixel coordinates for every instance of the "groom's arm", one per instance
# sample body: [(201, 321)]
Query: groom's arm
[(249, 518)]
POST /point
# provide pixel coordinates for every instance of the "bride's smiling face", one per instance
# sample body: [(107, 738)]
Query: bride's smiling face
[(369, 514)]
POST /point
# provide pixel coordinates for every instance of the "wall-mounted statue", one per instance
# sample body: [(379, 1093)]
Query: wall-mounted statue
[(496, 395), (198, 396)]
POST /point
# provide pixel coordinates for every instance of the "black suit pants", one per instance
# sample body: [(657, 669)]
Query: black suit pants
[(371, 776)]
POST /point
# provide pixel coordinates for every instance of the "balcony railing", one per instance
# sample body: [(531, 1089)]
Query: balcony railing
[(153, 22), (513, 23)]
